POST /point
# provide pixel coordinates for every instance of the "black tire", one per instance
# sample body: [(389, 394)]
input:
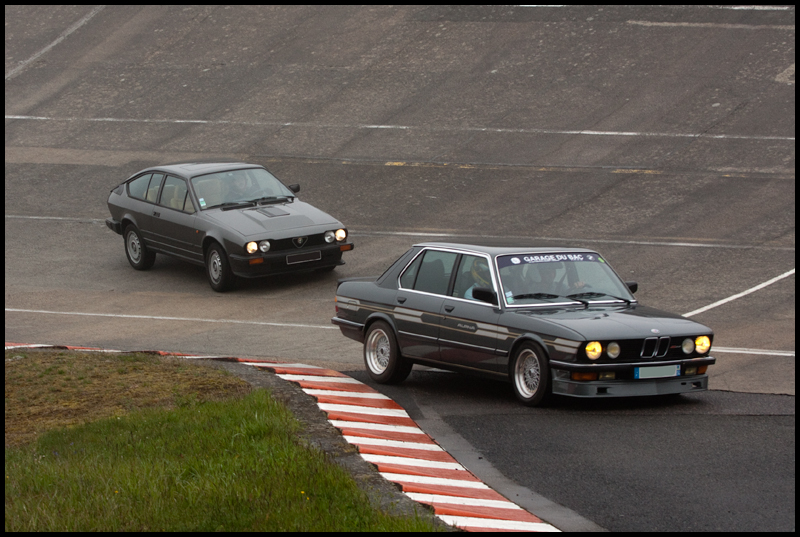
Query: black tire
[(139, 256), (218, 269), (382, 357), (530, 374)]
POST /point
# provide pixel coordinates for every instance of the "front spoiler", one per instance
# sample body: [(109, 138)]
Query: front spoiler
[(630, 388)]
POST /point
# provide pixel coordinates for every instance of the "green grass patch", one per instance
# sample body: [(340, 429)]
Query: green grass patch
[(189, 464)]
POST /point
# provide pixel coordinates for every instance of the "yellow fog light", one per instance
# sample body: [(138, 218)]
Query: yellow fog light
[(251, 247), (702, 344), (594, 350), (610, 375)]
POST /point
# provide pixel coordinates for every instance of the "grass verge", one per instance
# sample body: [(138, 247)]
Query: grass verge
[(199, 453)]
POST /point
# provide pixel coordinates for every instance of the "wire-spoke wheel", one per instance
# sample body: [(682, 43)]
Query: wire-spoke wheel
[(530, 374), (382, 356)]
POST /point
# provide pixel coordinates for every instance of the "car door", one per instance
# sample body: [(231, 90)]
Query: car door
[(417, 313), (468, 327), (174, 219), (142, 193)]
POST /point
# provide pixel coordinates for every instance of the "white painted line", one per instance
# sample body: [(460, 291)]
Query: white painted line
[(467, 236), (740, 295), (490, 523), (764, 352), (355, 409), (458, 500), (377, 427), (311, 378), (724, 26), (565, 239), (443, 481), (59, 39), (360, 395), (57, 218), (363, 441), (163, 318), (408, 461), (701, 135)]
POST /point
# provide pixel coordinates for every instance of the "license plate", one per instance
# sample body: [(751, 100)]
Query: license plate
[(657, 372), (303, 258)]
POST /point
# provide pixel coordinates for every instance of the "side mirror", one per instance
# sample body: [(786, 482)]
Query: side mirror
[(633, 286), (294, 188), (484, 294)]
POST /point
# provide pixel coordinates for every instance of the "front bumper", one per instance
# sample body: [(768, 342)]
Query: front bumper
[(284, 261), (625, 384)]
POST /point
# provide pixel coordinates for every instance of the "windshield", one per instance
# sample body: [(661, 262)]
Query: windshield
[(236, 186), (531, 279)]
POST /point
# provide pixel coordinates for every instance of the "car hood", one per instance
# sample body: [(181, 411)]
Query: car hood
[(628, 322), (275, 218)]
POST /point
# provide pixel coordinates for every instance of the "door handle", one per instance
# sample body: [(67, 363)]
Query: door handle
[(401, 299), (449, 309)]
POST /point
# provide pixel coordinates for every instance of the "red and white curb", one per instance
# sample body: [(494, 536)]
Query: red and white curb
[(387, 437)]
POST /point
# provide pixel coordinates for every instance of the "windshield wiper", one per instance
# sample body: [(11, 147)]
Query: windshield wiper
[(592, 294), (272, 199), (538, 296), (230, 205)]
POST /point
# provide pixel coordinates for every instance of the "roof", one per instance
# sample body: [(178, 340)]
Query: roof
[(193, 169), (505, 250)]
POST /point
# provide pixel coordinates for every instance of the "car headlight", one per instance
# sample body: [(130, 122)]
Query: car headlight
[(702, 344), (264, 246), (594, 350), (613, 349), (687, 346), (341, 234), (251, 247), (330, 236)]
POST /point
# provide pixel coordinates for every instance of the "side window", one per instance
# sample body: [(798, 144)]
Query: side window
[(434, 272), (188, 206), (155, 184), (410, 275), (138, 187), (174, 193), (472, 272)]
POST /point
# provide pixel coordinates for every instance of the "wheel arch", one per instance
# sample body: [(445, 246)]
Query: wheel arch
[(521, 340)]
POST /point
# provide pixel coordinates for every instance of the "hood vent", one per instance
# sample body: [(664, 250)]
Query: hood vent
[(273, 211)]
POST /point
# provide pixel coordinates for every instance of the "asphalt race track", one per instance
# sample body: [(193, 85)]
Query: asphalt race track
[(663, 137)]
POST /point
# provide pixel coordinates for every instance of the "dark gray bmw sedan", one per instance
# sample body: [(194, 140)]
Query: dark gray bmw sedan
[(236, 219), (550, 320)]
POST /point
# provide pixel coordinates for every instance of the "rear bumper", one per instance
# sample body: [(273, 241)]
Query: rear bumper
[(256, 265), (350, 329), (114, 226)]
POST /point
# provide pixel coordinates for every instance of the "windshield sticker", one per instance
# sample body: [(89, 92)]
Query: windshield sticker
[(202, 202), (507, 261)]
